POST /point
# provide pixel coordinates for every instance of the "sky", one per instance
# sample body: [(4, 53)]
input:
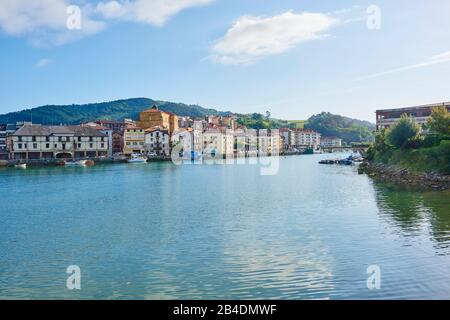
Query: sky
[(294, 58)]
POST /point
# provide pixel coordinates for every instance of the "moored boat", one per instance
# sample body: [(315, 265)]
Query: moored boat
[(137, 158), (21, 166)]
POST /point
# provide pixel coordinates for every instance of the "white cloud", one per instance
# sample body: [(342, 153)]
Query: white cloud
[(44, 22), (250, 38), (154, 12), (43, 63), (436, 59)]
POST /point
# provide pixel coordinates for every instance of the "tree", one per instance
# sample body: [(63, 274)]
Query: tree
[(439, 122), (405, 131)]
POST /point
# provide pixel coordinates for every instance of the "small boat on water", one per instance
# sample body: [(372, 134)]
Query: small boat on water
[(137, 158), (82, 163), (345, 162), (328, 161), (21, 166)]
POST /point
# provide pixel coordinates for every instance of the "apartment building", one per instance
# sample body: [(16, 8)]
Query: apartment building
[(288, 136), (217, 143), (133, 140), (306, 138), (268, 142), (157, 142)]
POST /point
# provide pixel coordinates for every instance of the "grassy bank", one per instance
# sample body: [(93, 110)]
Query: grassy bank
[(431, 159)]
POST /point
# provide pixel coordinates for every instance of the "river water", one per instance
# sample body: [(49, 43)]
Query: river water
[(162, 231)]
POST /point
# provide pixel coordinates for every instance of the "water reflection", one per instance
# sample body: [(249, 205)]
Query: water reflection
[(417, 213)]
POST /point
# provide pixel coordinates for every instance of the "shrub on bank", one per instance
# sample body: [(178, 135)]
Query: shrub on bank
[(404, 133), (432, 159)]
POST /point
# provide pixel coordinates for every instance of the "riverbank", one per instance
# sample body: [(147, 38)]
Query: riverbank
[(405, 177)]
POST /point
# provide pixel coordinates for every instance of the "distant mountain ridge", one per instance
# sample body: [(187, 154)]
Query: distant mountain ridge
[(113, 110)]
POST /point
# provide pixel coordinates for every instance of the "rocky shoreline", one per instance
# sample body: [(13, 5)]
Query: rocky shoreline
[(405, 177)]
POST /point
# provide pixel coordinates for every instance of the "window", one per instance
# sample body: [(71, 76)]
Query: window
[(103, 145), (19, 138), (33, 138), (25, 145), (47, 139), (128, 143), (91, 139), (91, 145), (34, 145), (56, 145), (47, 145), (19, 146)]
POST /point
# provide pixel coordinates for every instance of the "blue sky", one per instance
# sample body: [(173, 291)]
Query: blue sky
[(292, 57)]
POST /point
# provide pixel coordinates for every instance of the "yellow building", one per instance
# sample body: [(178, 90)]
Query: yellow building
[(133, 140), (157, 118)]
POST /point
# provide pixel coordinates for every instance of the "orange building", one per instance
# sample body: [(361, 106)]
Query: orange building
[(157, 118)]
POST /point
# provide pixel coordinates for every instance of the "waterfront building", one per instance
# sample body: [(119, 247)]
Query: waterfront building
[(183, 142), (104, 130), (117, 142), (268, 142), (288, 138), (197, 140), (218, 142), (329, 142), (157, 141), (133, 140), (117, 128), (157, 118), (306, 138), (3, 150), (37, 142), (387, 117)]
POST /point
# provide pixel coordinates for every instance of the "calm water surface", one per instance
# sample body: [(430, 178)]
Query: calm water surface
[(160, 231)]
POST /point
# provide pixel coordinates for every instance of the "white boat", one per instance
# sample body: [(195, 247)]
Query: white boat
[(21, 166), (82, 163), (137, 158)]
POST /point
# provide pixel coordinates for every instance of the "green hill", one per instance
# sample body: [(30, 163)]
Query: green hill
[(113, 110), (348, 129)]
